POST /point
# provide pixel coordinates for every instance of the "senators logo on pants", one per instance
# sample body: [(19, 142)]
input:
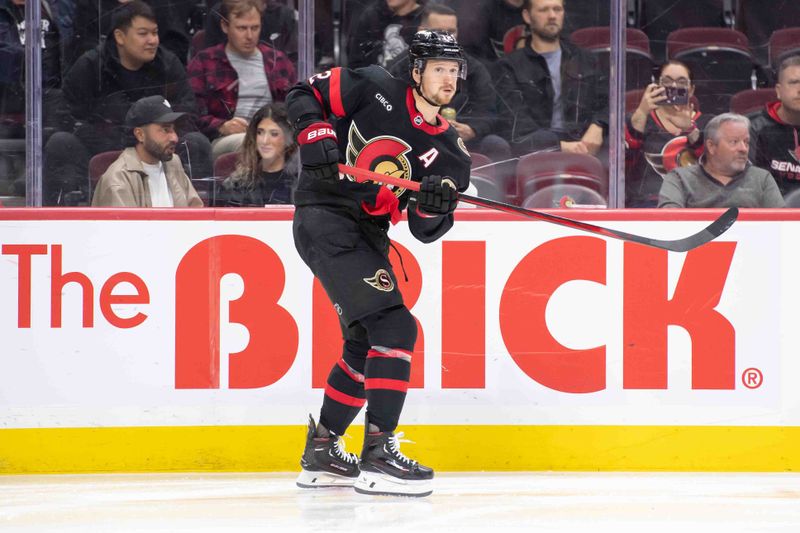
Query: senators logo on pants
[(383, 154), (381, 281)]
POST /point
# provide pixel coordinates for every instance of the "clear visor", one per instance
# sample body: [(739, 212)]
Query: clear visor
[(423, 66)]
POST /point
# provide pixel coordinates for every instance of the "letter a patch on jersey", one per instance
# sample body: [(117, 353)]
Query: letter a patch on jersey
[(381, 281)]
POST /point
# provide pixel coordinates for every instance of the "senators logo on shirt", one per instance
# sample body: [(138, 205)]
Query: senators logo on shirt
[(383, 154), (676, 153)]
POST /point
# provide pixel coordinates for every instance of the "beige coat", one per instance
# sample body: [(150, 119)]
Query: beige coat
[(125, 184)]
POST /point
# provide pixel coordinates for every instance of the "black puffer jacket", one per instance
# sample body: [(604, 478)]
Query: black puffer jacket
[(99, 92), (526, 92)]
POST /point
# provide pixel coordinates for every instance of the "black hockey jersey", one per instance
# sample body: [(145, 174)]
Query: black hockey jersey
[(774, 146), (378, 128)]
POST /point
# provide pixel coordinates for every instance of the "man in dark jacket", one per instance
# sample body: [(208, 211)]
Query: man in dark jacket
[(383, 32), (472, 110), (100, 88), (552, 93), (775, 130), (93, 19)]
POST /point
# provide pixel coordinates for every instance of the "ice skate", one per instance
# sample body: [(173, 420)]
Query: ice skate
[(386, 471), (325, 462)]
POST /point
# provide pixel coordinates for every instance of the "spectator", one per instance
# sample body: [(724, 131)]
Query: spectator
[(723, 177), (471, 111), (661, 137), (149, 174), (99, 90), (774, 132), (483, 26), (278, 27), (265, 170), (12, 66), (552, 93), (94, 18), (383, 32), (232, 80)]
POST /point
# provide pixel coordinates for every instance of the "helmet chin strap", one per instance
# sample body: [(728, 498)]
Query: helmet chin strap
[(418, 88)]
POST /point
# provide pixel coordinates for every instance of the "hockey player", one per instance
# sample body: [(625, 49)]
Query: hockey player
[(340, 231)]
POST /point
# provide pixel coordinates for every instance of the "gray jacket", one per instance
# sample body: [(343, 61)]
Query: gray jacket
[(125, 184), (692, 186)]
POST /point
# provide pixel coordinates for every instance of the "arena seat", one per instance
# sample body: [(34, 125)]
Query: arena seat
[(487, 188), (514, 38), (750, 100), (539, 170), (99, 163), (225, 164), (720, 60), (638, 61), (198, 43), (658, 18), (759, 20), (783, 42), (564, 196)]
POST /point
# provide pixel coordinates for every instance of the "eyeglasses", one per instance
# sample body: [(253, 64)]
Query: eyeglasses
[(680, 82)]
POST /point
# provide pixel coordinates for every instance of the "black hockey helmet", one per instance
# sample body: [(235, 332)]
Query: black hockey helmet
[(435, 44)]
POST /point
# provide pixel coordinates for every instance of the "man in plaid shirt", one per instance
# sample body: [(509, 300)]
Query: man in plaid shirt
[(233, 80)]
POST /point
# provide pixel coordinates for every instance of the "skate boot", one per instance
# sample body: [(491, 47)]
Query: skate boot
[(386, 471), (325, 462)]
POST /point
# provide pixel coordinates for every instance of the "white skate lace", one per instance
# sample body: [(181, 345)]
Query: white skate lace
[(342, 454), (394, 447)]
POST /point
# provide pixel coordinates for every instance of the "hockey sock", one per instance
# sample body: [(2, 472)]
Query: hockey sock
[(388, 371), (344, 391)]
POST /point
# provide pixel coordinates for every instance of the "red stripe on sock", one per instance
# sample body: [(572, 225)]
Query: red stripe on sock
[(355, 376), (386, 384), (396, 353), (341, 397)]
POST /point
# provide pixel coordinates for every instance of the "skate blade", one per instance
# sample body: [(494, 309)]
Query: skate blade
[(384, 485), (322, 480)]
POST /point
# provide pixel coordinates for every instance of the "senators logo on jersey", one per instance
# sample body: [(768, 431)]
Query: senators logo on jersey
[(676, 153), (383, 154)]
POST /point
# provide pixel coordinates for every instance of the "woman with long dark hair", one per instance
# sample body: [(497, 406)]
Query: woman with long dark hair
[(664, 132), (265, 167)]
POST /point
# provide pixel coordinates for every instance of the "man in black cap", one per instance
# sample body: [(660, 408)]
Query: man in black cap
[(148, 174)]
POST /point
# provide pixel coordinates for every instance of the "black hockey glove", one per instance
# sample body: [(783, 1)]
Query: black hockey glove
[(319, 151), (437, 195)]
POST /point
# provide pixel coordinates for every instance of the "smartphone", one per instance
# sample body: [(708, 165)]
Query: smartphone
[(675, 96)]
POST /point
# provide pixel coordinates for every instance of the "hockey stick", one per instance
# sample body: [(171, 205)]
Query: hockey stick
[(714, 230)]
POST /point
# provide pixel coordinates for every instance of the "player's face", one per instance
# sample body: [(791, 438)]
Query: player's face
[(140, 42), (442, 23), (440, 80), (159, 140), (270, 141), (788, 88), (243, 32), (546, 18), (729, 152)]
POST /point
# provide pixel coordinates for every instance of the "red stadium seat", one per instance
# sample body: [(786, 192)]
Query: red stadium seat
[(539, 170), (720, 60), (745, 102), (487, 188), (785, 41), (564, 196), (638, 61), (514, 38), (225, 164), (198, 43), (99, 163)]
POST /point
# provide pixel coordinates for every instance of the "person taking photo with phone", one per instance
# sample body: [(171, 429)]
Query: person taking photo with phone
[(663, 133)]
